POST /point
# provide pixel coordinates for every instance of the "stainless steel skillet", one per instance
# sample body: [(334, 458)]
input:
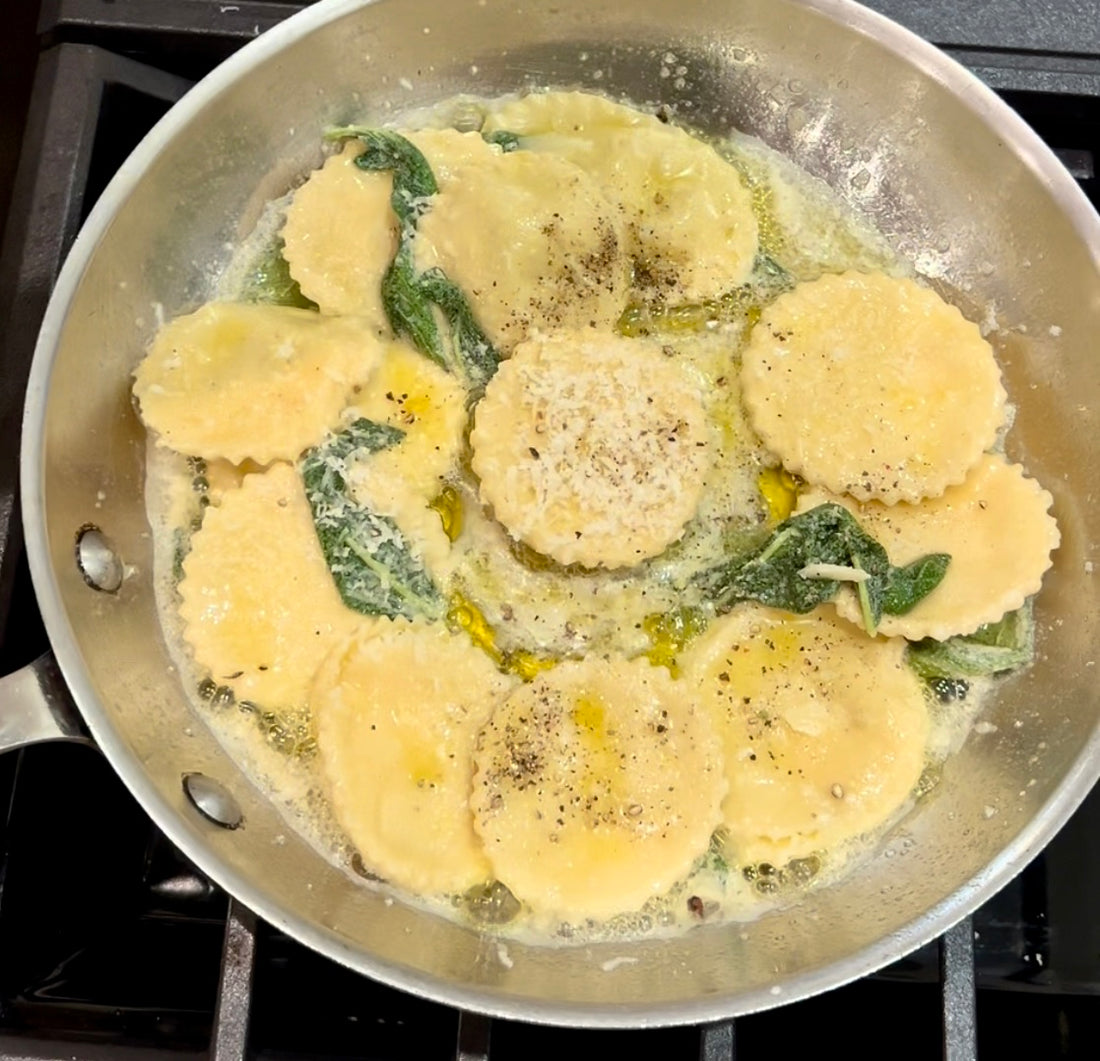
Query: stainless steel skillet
[(951, 176)]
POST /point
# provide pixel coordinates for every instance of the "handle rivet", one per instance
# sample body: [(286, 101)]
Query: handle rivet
[(98, 562), (212, 800)]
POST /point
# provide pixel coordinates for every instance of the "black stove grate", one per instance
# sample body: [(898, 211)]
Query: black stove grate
[(113, 946)]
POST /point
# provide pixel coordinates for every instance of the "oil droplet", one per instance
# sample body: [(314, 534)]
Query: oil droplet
[(448, 504), (779, 489)]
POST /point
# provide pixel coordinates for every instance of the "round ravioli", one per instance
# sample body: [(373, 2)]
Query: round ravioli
[(592, 448), (340, 235), (873, 386), (598, 785), (997, 529), (533, 244), (428, 404), (397, 712), (240, 381), (689, 220), (824, 728), (259, 607)]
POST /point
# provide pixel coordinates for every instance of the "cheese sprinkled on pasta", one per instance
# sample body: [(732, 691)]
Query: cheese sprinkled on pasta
[(592, 449)]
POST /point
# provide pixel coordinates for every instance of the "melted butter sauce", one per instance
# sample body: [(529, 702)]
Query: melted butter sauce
[(525, 611)]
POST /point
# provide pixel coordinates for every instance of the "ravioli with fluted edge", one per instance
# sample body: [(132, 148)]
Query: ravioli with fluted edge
[(251, 381), (258, 605), (688, 214), (575, 480), (597, 787), (873, 386), (340, 274), (397, 712), (824, 729), (969, 522), (533, 243)]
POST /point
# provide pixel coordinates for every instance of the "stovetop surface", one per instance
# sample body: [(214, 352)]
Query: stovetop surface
[(111, 943)]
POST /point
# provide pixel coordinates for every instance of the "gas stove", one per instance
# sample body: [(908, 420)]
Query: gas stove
[(113, 946)]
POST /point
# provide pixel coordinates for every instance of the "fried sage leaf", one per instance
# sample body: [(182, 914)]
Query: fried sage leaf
[(410, 314), (804, 561), (471, 353), (371, 561), (991, 649)]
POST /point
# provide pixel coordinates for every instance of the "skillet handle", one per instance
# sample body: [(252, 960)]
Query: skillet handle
[(35, 706)]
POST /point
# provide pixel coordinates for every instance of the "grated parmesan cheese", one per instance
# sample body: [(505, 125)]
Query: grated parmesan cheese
[(576, 483)]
